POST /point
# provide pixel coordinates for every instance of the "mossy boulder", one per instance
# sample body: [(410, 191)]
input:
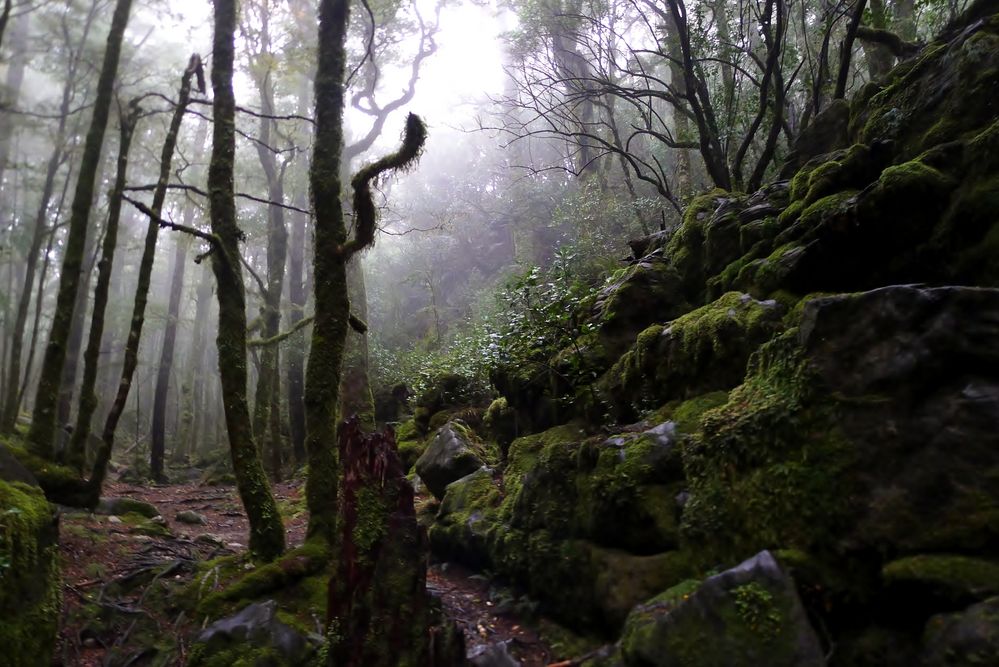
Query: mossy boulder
[(30, 582), (749, 615), (648, 291), (447, 458), (120, 506), (500, 423), (254, 637), (448, 390), (965, 639), (705, 350), (943, 580), (825, 445), (587, 525)]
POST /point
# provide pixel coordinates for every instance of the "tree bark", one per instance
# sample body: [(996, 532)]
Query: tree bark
[(267, 406), (76, 456), (43, 421), (329, 330), (266, 529), (157, 447), (142, 284)]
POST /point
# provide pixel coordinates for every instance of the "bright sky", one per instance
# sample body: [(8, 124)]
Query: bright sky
[(467, 67)]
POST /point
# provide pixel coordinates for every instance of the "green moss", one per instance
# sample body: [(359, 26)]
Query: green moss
[(749, 625), (767, 468), (688, 414), (248, 586), (407, 430), (143, 526), (961, 578), (701, 351), (800, 182), (370, 526), (30, 585)]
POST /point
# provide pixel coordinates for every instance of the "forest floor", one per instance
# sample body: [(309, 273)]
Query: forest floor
[(110, 567)]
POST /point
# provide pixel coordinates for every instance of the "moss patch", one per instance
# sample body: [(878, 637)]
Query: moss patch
[(30, 584)]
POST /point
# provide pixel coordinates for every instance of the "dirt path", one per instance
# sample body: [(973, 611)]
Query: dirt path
[(101, 554)]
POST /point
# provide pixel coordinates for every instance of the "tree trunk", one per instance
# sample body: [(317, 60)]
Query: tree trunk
[(67, 384), (296, 346), (157, 447), (12, 401), (266, 529), (329, 330), (195, 366), (378, 600), (76, 456), (297, 296), (43, 421), (355, 388), (267, 404), (12, 92), (142, 285)]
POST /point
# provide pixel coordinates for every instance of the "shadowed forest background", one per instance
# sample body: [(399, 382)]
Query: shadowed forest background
[(663, 330)]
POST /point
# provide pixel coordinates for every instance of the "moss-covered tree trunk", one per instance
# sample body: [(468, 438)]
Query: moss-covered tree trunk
[(266, 529), (142, 284), (43, 420), (355, 390), (76, 455), (329, 330), (333, 251), (379, 612)]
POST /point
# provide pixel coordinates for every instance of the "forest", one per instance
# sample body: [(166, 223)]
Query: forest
[(434, 333)]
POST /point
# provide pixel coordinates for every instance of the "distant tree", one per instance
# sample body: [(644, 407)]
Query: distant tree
[(43, 421), (76, 456), (70, 95)]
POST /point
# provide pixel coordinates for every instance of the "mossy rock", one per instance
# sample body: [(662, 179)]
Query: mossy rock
[(705, 350), (966, 639), (239, 586), (819, 450), (749, 615), (500, 423), (948, 580), (646, 292), (30, 581)]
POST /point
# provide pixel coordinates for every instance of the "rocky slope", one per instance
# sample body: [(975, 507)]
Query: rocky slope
[(801, 387)]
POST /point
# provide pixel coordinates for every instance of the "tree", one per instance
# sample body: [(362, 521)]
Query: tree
[(266, 529), (333, 251), (43, 421), (158, 435), (76, 456), (137, 321), (60, 154)]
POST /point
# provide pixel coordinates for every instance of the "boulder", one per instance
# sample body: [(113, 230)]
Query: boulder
[(12, 470), (192, 517), (254, 631), (705, 350), (492, 655), (871, 427), (749, 615), (449, 457), (125, 505), (964, 639)]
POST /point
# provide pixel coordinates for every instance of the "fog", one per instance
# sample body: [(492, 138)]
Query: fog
[(557, 133)]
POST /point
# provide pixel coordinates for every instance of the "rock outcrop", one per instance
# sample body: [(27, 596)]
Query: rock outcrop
[(809, 370)]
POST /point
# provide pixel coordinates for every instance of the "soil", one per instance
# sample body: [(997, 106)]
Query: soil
[(111, 567)]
